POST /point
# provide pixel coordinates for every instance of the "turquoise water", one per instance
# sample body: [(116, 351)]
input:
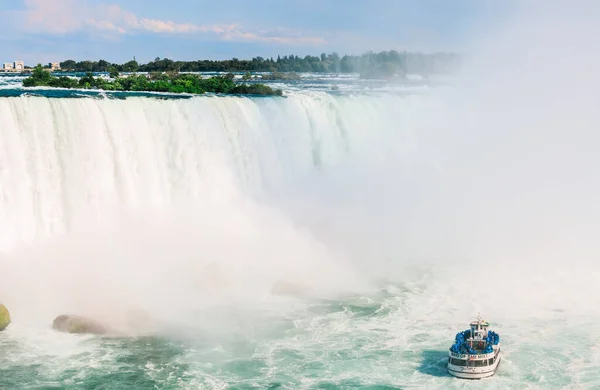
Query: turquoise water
[(393, 337), (359, 342), (346, 343)]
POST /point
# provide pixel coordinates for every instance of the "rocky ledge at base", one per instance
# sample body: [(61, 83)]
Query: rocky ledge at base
[(77, 324), (4, 318)]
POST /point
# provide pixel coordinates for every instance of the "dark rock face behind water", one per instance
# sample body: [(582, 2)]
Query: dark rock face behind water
[(78, 324)]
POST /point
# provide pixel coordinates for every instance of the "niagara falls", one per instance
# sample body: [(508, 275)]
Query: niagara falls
[(343, 195)]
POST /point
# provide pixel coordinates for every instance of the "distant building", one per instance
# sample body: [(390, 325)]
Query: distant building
[(7, 66), (54, 66), (19, 66)]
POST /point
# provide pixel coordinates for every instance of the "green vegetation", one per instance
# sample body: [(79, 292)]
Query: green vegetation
[(385, 64), (154, 82)]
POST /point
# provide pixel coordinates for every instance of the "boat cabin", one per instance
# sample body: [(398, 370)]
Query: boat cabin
[(479, 329)]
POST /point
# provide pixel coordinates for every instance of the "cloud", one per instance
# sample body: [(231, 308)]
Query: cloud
[(56, 17), (68, 16), (283, 36)]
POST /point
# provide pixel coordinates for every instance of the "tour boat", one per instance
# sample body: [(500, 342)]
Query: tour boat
[(475, 353)]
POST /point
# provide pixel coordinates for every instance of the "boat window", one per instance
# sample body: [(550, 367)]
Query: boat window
[(480, 363), (458, 362), (491, 361)]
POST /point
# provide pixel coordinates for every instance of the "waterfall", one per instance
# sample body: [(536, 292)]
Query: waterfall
[(66, 159)]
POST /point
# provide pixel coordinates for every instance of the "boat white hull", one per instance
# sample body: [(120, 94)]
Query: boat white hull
[(476, 353), (474, 372)]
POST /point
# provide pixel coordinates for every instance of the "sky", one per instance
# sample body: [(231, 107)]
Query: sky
[(119, 30)]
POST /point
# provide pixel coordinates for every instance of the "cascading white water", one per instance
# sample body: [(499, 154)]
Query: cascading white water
[(135, 193), (62, 159)]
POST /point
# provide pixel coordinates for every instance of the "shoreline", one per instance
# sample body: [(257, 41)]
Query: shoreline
[(173, 83)]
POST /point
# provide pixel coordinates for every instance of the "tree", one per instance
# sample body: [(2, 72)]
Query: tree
[(114, 72), (131, 66), (103, 66), (68, 65), (39, 76)]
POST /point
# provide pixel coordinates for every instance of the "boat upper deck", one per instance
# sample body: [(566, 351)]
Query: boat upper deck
[(477, 340)]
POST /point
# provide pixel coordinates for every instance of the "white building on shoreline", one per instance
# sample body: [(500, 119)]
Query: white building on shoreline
[(19, 67)]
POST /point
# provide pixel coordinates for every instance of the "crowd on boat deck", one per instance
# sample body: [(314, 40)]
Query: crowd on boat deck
[(463, 347)]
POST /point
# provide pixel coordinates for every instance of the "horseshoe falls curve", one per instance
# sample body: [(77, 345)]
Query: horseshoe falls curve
[(61, 157), (312, 241)]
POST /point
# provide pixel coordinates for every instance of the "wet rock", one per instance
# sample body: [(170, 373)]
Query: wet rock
[(4, 318), (77, 324)]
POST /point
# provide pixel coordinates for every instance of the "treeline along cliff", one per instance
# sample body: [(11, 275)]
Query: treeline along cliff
[(384, 64)]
